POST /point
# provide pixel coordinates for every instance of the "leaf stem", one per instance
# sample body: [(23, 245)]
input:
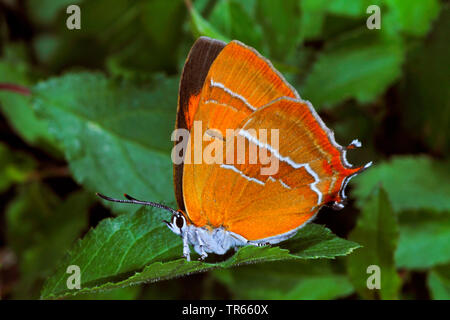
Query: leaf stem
[(15, 88), (51, 172)]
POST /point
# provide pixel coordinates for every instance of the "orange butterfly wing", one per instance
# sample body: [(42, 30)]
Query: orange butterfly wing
[(243, 91), (237, 68), (310, 174), (201, 56)]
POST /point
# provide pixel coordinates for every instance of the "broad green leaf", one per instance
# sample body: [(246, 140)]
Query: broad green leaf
[(359, 66), (115, 135), (17, 108), (15, 167), (425, 94), (354, 8), (377, 231), (162, 21), (412, 19), (313, 13), (151, 26), (41, 227), (396, 15), (411, 182), (424, 239), (234, 22), (201, 27), (286, 280), (138, 248), (281, 21), (439, 282)]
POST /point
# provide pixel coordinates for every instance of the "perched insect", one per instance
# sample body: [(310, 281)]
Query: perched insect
[(233, 203)]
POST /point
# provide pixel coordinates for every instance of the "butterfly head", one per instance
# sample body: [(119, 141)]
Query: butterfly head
[(178, 223)]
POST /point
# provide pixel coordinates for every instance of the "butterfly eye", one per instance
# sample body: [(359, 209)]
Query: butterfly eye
[(179, 220)]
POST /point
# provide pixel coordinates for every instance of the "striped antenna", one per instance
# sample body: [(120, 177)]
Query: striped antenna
[(132, 200)]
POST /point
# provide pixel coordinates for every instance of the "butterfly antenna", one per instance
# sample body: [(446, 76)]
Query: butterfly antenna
[(135, 201), (126, 195)]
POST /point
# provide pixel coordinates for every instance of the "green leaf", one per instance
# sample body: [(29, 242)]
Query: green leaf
[(359, 66), (425, 94), (46, 11), (396, 15), (138, 248), (414, 20), (354, 8), (41, 228), (115, 135), (15, 167), (127, 293), (281, 21), (377, 231), (162, 23), (412, 183), (426, 232), (302, 280), (313, 13), (201, 27), (232, 20), (439, 282), (17, 108)]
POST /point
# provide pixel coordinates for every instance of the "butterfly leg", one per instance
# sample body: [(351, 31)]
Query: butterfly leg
[(201, 246), (203, 254), (259, 244), (186, 250)]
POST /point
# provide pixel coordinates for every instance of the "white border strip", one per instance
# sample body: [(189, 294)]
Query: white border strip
[(231, 93)]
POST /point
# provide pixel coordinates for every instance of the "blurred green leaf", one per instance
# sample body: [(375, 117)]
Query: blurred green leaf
[(411, 182), (354, 8), (163, 290), (425, 93), (138, 247), (359, 66), (115, 135), (41, 228), (439, 282), (426, 232), (15, 167), (281, 21), (17, 108), (162, 21), (120, 38), (201, 27), (286, 280), (232, 20), (313, 14), (46, 11), (154, 27), (412, 19), (377, 231)]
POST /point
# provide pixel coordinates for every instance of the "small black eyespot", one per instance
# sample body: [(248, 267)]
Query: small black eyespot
[(179, 221)]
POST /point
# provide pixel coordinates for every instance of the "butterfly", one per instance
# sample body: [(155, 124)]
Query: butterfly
[(228, 204)]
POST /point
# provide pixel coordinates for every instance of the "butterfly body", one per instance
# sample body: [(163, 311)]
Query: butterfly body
[(216, 240)]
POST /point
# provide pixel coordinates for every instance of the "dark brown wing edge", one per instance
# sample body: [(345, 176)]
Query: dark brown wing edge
[(202, 54)]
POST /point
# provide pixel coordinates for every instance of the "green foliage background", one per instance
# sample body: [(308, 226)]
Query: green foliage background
[(102, 108)]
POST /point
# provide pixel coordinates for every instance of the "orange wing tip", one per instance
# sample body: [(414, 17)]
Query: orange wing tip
[(338, 205)]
